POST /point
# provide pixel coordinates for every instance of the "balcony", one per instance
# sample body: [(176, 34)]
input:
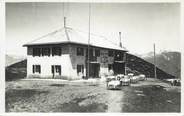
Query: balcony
[(120, 57), (93, 59)]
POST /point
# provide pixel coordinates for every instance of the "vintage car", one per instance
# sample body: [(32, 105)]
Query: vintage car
[(130, 75), (125, 80), (142, 77), (174, 82), (113, 83), (134, 79), (120, 76)]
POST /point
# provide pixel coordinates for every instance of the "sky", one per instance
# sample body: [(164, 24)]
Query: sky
[(141, 24)]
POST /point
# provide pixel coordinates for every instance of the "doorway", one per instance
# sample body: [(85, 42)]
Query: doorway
[(94, 69), (56, 71), (119, 68)]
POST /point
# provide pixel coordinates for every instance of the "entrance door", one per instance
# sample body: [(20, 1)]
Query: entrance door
[(94, 70), (119, 68), (56, 71)]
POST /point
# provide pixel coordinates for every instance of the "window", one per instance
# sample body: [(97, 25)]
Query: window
[(45, 51), (111, 53), (91, 53), (80, 51), (97, 53), (119, 56), (56, 51), (36, 69), (80, 69), (56, 69), (110, 67), (36, 51)]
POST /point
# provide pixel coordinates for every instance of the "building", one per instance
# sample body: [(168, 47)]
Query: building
[(64, 54)]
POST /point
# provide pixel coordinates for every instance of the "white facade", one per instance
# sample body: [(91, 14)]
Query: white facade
[(68, 62)]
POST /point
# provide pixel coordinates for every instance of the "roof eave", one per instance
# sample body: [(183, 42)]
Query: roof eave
[(68, 42)]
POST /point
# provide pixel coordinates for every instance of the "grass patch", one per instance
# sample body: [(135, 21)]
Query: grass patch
[(24, 95)]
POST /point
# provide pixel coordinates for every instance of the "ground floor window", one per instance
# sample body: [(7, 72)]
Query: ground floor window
[(36, 69), (80, 69), (56, 69)]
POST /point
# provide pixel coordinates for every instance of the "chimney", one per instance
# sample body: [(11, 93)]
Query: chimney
[(120, 44)]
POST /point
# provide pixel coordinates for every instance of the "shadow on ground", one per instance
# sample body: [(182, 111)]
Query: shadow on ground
[(151, 98)]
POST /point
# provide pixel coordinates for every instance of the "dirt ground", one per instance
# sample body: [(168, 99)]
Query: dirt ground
[(82, 96)]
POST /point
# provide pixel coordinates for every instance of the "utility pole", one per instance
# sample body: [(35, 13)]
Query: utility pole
[(64, 22), (155, 68), (120, 44), (89, 26), (124, 54), (125, 62)]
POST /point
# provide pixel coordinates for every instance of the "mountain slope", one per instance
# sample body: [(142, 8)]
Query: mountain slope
[(11, 59), (138, 65), (169, 62), (16, 69)]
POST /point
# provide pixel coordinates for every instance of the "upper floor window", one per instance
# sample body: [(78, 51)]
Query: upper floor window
[(56, 51), (36, 69), (119, 56), (45, 51), (97, 52), (36, 51), (80, 51), (110, 53)]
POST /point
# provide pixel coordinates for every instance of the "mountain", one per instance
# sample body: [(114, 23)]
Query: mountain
[(168, 61), (137, 65), (11, 59), (15, 67)]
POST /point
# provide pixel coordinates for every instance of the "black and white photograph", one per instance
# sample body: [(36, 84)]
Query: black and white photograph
[(92, 57)]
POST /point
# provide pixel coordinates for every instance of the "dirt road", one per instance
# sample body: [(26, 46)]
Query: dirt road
[(66, 96)]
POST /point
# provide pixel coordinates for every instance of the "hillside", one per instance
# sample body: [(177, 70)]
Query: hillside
[(16, 70), (11, 59), (169, 62), (138, 65)]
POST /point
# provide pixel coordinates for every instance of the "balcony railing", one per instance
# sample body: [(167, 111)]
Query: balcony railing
[(93, 59)]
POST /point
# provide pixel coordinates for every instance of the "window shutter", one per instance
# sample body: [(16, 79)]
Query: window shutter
[(39, 68), (33, 69), (52, 69)]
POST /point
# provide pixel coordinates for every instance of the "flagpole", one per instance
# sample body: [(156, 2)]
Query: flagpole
[(89, 26)]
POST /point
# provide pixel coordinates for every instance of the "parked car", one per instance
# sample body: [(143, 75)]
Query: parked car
[(110, 78), (125, 80), (120, 76), (114, 84), (134, 79), (174, 82), (130, 74), (142, 77)]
